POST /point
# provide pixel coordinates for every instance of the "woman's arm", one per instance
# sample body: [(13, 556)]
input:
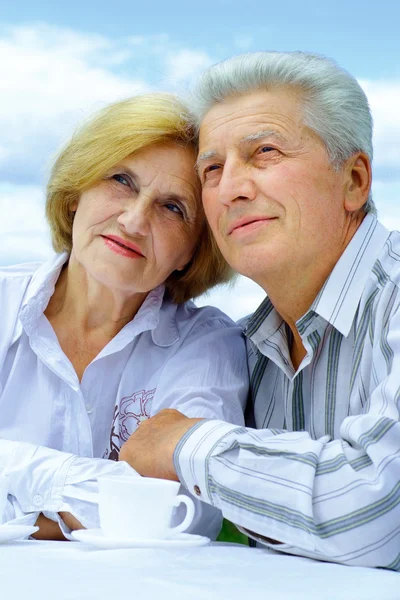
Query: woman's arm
[(50, 530), (54, 486)]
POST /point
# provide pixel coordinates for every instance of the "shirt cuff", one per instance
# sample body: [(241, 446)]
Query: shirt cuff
[(39, 487), (193, 452), (14, 515), (80, 494)]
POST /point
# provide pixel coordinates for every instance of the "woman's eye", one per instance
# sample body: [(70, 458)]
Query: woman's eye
[(174, 208), (121, 179)]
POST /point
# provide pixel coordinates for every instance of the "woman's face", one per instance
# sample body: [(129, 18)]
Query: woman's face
[(141, 222)]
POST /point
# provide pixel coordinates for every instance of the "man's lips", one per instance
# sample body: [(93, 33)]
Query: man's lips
[(241, 223), (123, 243)]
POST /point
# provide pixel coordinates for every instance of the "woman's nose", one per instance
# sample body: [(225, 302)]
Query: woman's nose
[(135, 218)]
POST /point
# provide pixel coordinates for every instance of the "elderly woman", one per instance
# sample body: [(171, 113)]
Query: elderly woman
[(103, 335)]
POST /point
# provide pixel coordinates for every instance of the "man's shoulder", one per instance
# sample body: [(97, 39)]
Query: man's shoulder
[(387, 266)]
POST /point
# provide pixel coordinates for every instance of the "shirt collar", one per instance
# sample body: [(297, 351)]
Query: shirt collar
[(263, 322), (166, 332), (40, 290), (339, 297), (156, 313)]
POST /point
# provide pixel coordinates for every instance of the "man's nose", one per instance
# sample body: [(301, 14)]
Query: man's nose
[(236, 183), (136, 216)]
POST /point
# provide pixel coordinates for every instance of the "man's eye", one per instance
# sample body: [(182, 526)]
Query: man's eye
[(265, 149), (121, 179), (211, 168)]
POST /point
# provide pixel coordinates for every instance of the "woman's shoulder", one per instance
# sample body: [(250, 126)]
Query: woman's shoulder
[(14, 279), (19, 271), (20, 275), (190, 315)]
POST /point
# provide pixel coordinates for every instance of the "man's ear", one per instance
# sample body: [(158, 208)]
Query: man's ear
[(358, 181)]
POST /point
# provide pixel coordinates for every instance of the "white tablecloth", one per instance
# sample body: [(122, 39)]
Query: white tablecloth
[(32, 570)]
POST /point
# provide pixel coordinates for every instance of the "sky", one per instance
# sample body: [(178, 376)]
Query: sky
[(59, 62)]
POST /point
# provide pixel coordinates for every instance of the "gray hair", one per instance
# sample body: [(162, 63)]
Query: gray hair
[(334, 105)]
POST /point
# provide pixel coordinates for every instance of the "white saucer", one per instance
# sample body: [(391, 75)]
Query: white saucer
[(9, 533), (95, 537)]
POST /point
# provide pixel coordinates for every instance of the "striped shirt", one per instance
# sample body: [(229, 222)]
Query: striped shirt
[(318, 469)]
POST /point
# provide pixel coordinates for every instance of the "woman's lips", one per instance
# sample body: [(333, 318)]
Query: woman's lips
[(122, 247)]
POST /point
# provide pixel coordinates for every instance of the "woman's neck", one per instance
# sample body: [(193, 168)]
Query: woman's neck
[(81, 302)]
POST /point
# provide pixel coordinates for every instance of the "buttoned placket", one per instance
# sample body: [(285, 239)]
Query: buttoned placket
[(276, 348)]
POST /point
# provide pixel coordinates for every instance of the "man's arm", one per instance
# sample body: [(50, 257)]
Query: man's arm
[(336, 500)]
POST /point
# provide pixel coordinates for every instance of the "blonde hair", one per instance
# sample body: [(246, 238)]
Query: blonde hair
[(113, 134)]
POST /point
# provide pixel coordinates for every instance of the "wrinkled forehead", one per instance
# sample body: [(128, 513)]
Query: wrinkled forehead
[(278, 110)]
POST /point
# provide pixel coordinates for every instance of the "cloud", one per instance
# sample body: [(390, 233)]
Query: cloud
[(50, 78), (384, 99), (243, 42), (24, 234), (185, 65)]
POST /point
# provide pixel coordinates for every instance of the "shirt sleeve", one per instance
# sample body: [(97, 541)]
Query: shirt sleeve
[(335, 500), (208, 375), (43, 480), (207, 378)]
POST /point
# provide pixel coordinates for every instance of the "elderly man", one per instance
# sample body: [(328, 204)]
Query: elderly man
[(285, 165)]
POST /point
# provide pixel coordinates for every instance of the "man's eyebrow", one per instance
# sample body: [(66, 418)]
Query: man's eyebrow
[(266, 133), (204, 156), (252, 137)]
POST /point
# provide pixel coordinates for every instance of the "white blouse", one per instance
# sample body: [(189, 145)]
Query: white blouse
[(57, 431)]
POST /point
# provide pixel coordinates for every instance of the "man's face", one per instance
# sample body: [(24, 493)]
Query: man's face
[(273, 200)]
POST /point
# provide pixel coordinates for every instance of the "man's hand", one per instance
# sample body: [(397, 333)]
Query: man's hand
[(150, 449)]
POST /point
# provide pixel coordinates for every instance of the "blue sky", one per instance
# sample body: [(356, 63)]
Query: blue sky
[(60, 61)]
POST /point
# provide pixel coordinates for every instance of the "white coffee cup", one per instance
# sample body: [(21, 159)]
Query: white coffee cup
[(141, 507)]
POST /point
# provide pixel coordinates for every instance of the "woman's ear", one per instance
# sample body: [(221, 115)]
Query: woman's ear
[(358, 181)]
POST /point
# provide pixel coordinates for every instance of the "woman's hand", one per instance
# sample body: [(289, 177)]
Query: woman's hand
[(50, 530), (71, 521)]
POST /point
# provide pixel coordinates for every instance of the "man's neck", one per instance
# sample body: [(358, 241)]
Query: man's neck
[(293, 292)]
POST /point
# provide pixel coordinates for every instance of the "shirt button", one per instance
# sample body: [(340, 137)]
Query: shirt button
[(89, 408), (197, 490), (38, 500)]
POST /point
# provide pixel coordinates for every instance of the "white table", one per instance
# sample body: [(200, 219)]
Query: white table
[(32, 570)]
